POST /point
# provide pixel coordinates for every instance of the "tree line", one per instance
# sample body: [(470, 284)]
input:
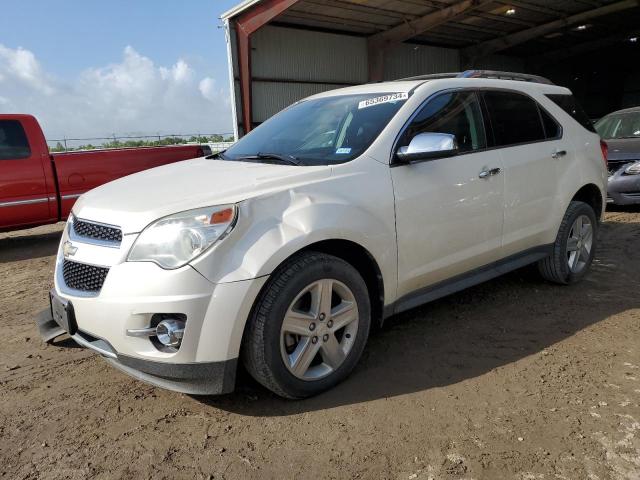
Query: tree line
[(59, 147)]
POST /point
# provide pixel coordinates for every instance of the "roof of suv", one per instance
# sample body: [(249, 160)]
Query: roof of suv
[(479, 78), (495, 74)]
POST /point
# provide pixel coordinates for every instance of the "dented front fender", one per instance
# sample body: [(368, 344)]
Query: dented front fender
[(348, 205)]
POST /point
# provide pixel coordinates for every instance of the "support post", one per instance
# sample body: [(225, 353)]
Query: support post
[(246, 25), (244, 64)]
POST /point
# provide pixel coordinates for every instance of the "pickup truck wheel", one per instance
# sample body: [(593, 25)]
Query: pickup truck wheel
[(309, 326), (574, 248)]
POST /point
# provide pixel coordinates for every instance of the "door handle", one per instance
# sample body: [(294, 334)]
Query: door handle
[(489, 172), (558, 153)]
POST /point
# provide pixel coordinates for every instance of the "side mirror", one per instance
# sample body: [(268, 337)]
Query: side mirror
[(427, 146)]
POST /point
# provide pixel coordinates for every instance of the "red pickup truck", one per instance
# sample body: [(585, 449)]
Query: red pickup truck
[(38, 187)]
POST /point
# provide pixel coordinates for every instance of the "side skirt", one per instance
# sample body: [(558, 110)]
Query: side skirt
[(466, 280)]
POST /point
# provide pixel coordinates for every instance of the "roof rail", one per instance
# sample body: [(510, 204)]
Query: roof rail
[(523, 77), (430, 76)]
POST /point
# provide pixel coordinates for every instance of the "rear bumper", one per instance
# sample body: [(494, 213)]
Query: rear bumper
[(195, 378)]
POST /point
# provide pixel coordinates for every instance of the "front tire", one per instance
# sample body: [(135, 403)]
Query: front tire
[(309, 326), (574, 248)]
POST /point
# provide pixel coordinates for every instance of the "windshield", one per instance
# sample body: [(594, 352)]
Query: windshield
[(323, 131), (619, 125)]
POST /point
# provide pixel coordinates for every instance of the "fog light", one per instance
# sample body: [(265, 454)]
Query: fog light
[(170, 332)]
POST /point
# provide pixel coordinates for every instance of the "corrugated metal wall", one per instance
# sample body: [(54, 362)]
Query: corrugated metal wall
[(292, 54), (407, 60), (270, 97), (501, 62), (288, 64)]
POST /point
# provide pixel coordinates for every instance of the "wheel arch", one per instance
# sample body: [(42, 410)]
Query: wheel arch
[(354, 254), (592, 196), (364, 262)]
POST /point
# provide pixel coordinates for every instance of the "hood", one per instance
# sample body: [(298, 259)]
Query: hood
[(623, 148), (133, 202)]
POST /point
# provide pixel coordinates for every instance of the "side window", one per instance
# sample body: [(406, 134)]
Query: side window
[(570, 105), (551, 127), (13, 141), (456, 113), (515, 118)]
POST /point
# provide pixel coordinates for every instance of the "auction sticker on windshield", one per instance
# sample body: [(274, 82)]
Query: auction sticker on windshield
[(389, 98)]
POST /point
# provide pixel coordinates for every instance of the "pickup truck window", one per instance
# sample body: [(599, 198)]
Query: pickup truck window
[(324, 131), (13, 141), (456, 113)]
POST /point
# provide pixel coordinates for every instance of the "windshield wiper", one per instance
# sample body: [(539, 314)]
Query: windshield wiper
[(219, 155), (277, 156), (273, 156), (259, 156)]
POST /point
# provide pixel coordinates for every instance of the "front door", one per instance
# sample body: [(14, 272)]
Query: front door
[(24, 197), (449, 211)]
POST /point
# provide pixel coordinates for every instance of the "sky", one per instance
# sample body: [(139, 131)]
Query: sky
[(95, 68)]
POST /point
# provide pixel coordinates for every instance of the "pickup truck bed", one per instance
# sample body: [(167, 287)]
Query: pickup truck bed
[(38, 187)]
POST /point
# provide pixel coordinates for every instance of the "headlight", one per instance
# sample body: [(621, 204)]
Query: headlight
[(174, 241), (633, 169)]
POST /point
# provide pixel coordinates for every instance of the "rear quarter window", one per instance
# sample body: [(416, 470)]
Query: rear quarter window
[(13, 141), (569, 104)]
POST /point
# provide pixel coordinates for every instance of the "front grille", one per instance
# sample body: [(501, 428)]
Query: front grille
[(97, 231), (81, 276)]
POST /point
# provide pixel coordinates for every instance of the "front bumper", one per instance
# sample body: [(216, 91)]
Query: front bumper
[(197, 378), (623, 189), (131, 294)]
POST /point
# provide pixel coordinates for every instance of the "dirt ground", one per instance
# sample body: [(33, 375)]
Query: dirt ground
[(513, 379)]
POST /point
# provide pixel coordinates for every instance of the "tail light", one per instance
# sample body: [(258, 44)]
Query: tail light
[(605, 152)]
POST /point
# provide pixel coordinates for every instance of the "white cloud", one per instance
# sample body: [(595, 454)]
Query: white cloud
[(22, 65), (134, 96), (207, 87)]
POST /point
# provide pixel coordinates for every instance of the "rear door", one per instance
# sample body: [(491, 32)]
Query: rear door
[(448, 210), (530, 142), (24, 198)]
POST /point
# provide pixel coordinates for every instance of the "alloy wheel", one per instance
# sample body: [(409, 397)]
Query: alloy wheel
[(319, 329), (579, 243)]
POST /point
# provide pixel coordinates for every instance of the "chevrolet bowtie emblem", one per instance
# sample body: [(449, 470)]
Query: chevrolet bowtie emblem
[(68, 249)]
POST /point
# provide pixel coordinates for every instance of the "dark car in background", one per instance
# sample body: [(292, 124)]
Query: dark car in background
[(621, 131)]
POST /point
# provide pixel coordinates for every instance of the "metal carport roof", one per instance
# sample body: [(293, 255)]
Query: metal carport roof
[(536, 29)]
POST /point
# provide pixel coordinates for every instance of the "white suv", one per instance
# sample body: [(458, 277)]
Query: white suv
[(343, 209)]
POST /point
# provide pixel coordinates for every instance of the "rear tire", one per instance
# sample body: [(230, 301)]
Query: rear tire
[(574, 248), (309, 326)]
